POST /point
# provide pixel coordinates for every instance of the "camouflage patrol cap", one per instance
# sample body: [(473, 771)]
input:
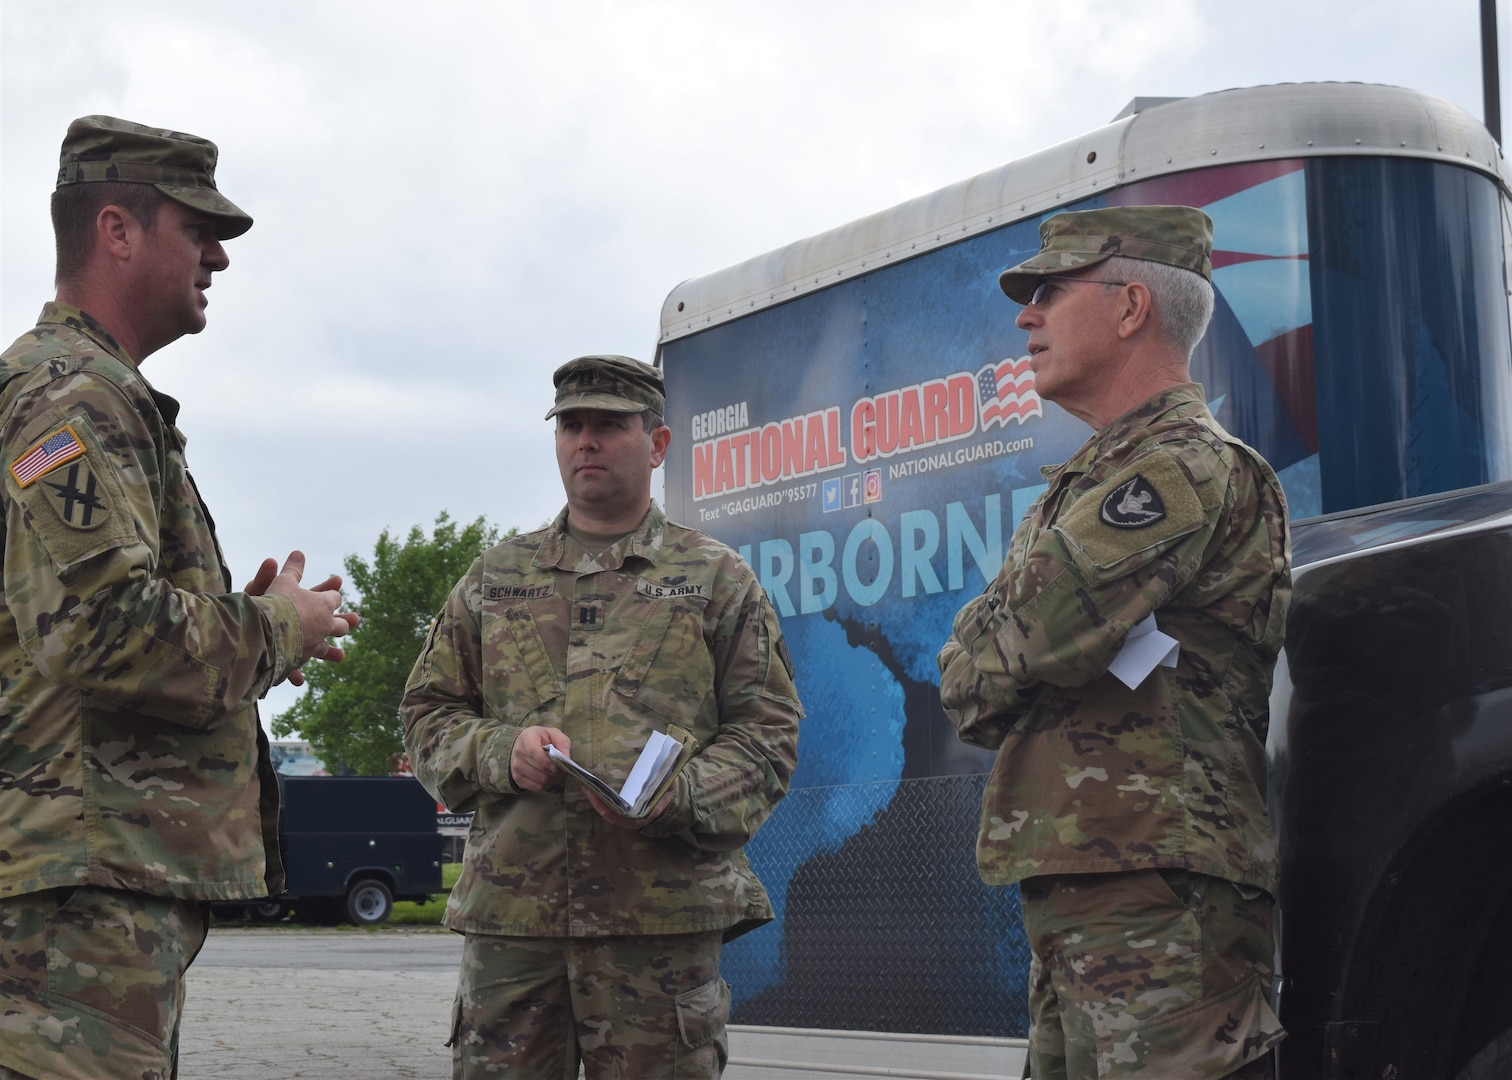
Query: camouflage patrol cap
[(611, 383), (1180, 236), (181, 166)]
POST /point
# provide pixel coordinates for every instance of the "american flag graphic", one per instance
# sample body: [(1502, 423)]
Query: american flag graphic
[(62, 445), (1006, 392)]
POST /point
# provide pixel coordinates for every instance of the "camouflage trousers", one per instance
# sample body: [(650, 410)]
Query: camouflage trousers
[(628, 1008), (1148, 973), (92, 982)]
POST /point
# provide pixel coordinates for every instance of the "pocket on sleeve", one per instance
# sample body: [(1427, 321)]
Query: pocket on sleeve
[(1124, 523), (74, 504)]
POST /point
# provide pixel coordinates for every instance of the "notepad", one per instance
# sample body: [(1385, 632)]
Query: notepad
[(657, 763)]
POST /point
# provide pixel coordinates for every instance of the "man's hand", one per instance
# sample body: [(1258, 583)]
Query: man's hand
[(619, 820), (316, 608), (529, 765)]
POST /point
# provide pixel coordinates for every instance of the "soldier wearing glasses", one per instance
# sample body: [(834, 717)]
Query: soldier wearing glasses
[(1132, 818)]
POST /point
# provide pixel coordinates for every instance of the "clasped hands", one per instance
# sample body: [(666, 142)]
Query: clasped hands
[(316, 607)]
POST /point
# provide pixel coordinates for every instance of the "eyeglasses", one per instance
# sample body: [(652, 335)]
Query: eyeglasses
[(1044, 283)]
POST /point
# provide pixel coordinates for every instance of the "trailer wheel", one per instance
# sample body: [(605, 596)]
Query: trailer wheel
[(369, 902), (267, 910)]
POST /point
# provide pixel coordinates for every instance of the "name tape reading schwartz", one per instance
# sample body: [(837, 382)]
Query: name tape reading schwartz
[(518, 592)]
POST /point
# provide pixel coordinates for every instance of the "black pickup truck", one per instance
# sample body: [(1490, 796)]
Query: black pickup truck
[(351, 846), (1391, 777)]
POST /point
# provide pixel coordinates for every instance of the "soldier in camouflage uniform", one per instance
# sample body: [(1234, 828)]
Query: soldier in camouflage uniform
[(135, 782), (1133, 819), (591, 936)]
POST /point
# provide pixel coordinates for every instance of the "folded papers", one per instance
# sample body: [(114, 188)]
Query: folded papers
[(648, 778), (1145, 649)]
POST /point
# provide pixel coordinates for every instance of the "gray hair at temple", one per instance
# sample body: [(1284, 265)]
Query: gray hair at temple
[(1182, 300)]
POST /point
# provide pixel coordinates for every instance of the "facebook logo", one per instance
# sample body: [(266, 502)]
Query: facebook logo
[(852, 489)]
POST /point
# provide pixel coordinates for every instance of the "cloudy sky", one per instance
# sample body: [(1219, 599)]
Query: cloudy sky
[(454, 198)]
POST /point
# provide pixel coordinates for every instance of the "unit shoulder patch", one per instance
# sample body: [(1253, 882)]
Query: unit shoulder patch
[(1148, 503), (57, 448), (75, 505), (76, 496), (1133, 504)]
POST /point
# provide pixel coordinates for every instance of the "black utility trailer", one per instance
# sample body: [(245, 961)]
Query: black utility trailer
[(351, 846)]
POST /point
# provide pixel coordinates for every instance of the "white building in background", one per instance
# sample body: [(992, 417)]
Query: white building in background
[(293, 757)]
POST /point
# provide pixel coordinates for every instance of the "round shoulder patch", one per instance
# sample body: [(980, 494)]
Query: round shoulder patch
[(1133, 504)]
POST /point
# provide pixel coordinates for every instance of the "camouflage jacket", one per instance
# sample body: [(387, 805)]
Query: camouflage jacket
[(1161, 511), (667, 627), (131, 756)]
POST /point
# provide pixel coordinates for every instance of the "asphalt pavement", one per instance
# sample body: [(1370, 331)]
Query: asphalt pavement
[(275, 1003)]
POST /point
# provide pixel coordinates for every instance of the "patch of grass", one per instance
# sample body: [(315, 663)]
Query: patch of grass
[(406, 912), (409, 913)]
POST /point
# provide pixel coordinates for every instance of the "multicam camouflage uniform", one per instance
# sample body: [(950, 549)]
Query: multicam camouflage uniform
[(105, 970), (131, 756), (666, 630), (1148, 973), (1161, 511)]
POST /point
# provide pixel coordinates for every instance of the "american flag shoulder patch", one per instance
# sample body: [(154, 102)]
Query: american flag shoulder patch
[(61, 446)]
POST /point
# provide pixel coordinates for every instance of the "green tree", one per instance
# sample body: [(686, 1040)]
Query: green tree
[(349, 711)]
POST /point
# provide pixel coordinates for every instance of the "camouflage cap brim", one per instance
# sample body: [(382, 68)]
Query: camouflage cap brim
[(230, 220), (603, 402), (106, 149), (609, 382), (1019, 282)]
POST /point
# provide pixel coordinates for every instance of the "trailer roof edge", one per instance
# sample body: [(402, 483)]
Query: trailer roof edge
[(1152, 137)]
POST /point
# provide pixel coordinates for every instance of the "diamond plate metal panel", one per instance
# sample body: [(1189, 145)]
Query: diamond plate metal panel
[(888, 928)]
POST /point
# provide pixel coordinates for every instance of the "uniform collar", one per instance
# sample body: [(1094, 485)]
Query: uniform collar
[(644, 543), (57, 313), (82, 322), (1129, 429)]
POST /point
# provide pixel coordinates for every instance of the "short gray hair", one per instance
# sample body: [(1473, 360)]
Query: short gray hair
[(1182, 300)]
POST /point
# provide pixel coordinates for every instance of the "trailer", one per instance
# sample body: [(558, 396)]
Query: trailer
[(855, 413)]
